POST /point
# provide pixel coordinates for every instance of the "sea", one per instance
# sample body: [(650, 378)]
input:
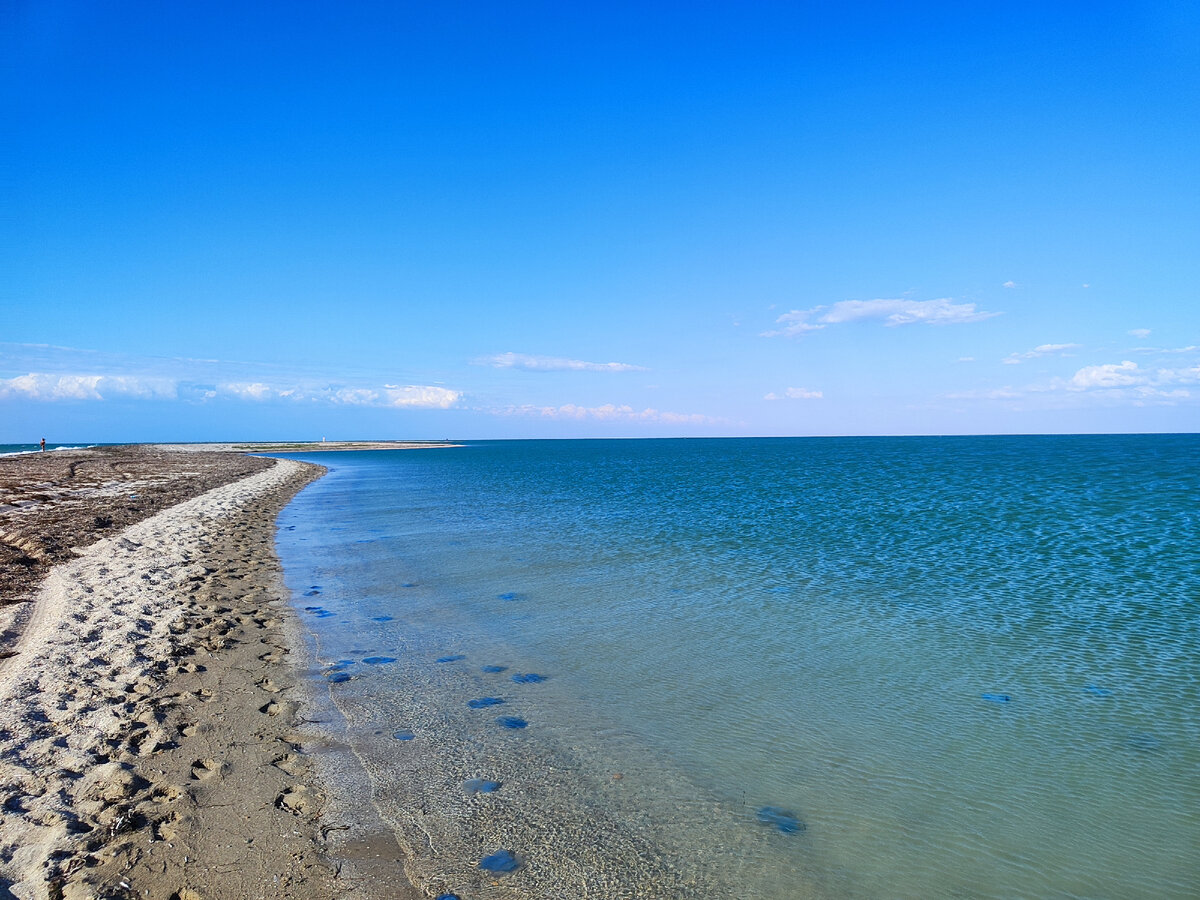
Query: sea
[(894, 667), (21, 449)]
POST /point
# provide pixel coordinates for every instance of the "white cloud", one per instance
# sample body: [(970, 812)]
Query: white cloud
[(410, 396), (42, 386), (46, 387), (552, 364), (420, 396), (1009, 284), (965, 359), (793, 393), (893, 312), (1109, 375), (255, 390), (1188, 349), (608, 413), (1142, 333), (1040, 350)]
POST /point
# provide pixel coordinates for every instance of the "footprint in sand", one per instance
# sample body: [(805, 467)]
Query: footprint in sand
[(289, 763), (297, 800), (204, 769)]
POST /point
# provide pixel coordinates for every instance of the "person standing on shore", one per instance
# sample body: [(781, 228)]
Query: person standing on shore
[(43, 445)]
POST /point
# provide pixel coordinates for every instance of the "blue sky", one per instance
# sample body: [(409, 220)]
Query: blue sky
[(392, 220)]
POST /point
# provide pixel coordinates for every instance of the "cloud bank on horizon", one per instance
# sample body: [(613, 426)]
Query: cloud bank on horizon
[(687, 221)]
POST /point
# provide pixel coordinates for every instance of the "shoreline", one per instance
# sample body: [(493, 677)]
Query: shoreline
[(151, 734)]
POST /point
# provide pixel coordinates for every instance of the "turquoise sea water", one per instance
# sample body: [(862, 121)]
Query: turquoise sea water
[(775, 668)]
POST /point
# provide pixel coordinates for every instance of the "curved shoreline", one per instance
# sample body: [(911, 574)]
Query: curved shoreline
[(150, 734)]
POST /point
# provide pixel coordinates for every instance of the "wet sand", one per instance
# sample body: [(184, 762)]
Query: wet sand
[(155, 740)]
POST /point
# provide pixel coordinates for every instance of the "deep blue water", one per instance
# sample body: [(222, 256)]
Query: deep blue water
[(888, 667)]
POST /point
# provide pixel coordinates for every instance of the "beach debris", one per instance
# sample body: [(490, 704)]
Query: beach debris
[(378, 660), (453, 658), (781, 820), (475, 786), (529, 678), (996, 698), (491, 670), (500, 863), (485, 702), (404, 735), (511, 722)]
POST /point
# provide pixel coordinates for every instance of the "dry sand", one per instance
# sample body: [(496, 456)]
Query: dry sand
[(152, 730)]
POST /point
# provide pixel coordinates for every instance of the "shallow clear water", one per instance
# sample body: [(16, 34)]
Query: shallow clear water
[(966, 666)]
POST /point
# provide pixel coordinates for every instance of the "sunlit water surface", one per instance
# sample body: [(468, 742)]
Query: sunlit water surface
[(775, 668)]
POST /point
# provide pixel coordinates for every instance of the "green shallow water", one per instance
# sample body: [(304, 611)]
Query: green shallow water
[(969, 666)]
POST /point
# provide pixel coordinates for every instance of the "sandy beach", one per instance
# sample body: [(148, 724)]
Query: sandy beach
[(156, 739)]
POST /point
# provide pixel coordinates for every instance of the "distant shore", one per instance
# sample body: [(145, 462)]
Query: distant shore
[(152, 684), (312, 446)]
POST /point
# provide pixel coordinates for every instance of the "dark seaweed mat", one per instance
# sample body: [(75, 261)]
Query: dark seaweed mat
[(378, 660), (501, 862), (339, 677), (780, 819), (511, 722), (485, 702), (492, 669), (454, 658), (480, 786), (403, 735), (381, 618), (530, 678)]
